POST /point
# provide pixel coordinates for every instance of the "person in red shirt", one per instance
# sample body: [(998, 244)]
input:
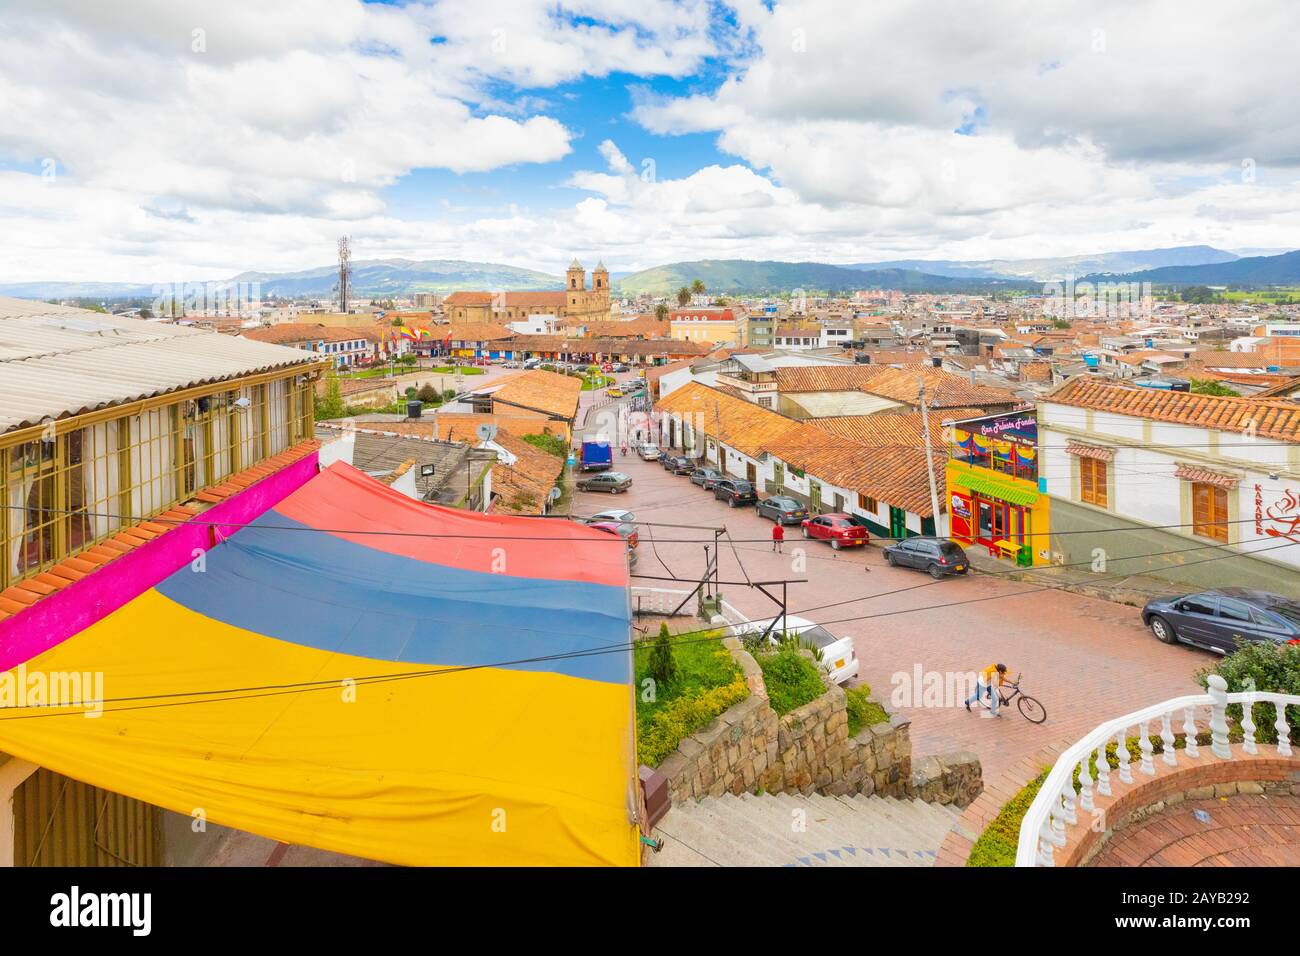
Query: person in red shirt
[(778, 536)]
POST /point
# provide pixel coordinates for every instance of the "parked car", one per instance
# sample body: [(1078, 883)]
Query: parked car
[(838, 529), (649, 453), (621, 528), (619, 367), (680, 465), (934, 555), (617, 515), (614, 392), (615, 482), (838, 657), (1220, 618), (706, 478), (511, 363), (781, 508), (735, 492)]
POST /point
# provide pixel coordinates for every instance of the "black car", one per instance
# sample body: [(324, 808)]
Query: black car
[(706, 478), (782, 509), (1222, 618), (735, 492), (935, 555), (680, 466)]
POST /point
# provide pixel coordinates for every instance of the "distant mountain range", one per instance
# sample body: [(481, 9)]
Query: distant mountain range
[(383, 278), (379, 278), (1059, 267), (738, 276), (1251, 271)]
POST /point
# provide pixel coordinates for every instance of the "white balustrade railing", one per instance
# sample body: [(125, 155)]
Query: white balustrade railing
[(1058, 804)]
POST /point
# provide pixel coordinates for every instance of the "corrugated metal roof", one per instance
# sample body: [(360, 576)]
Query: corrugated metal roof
[(56, 361)]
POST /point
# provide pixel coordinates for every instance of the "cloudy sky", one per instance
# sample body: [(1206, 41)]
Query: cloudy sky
[(153, 140)]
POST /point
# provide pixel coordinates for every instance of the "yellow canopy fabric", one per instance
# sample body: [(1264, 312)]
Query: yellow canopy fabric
[(357, 695)]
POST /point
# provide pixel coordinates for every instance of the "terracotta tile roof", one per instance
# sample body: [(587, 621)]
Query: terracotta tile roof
[(463, 426), (522, 487), (884, 429), (744, 426), (1283, 389), (467, 298), (895, 474), (1036, 371), (473, 332), (1270, 417), (398, 472), (1258, 359), (942, 389), (1206, 477), (25, 593), (287, 332), (538, 390), (826, 378)]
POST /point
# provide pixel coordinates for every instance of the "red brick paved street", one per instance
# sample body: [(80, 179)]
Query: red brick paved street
[(1246, 830), (1085, 659)]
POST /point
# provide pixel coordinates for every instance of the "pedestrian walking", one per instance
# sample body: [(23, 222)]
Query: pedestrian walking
[(778, 536)]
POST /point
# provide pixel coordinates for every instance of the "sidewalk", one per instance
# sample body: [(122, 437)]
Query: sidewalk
[(1133, 590)]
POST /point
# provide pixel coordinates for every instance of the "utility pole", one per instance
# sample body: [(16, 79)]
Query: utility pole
[(929, 454)]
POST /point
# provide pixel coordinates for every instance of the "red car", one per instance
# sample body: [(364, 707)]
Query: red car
[(839, 530)]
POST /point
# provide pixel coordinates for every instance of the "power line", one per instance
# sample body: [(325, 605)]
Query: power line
[(308, 686), (503, 537)]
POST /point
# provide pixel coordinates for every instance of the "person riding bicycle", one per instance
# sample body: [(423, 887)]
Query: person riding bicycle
[(984, 685)]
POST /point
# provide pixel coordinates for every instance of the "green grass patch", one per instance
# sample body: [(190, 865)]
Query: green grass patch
[(996, 846), (462, 369), (862, 710), (706, 683), (792, 680)]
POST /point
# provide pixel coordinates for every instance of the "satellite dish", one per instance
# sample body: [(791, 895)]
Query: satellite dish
[(554, 494), (487, 431)]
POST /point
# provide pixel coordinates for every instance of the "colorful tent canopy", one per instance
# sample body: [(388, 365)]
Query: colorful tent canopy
[(455, 689)]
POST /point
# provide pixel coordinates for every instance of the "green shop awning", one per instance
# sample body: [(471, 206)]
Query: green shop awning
[(991, 487)]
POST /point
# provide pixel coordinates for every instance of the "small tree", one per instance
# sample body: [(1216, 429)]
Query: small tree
[(698, 287), (428, 394), (1208, 386), (663, 668), (661, 311), (331, 406), (683, 296)]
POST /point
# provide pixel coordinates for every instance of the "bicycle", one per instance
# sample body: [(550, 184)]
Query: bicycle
[(1029, 707)]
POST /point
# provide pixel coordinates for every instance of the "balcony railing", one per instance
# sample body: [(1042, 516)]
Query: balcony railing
[(1058, 804)]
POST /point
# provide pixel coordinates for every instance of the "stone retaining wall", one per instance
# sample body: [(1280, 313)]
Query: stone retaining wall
[(750, 748)]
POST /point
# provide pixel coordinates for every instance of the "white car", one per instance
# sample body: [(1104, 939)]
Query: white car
[(838, 658), (648, 452), (616, 515)]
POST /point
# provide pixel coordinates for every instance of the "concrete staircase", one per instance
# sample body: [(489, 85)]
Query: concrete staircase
[(790, 830)]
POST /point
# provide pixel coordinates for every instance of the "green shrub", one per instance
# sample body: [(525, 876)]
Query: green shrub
[(862, 710), (1261, 666), (662, 666), (552, 444), (705, 683), (660, 733), (428, 394), (792, 680)]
